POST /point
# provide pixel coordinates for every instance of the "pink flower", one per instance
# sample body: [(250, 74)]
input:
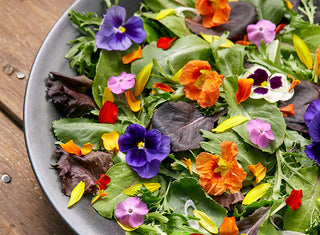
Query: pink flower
[(121, 83), (259, 132), (131, 212), (264, 29)]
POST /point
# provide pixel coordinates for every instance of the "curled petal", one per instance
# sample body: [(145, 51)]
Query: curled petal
[(108, 113), (229, 226), (135, 105), (244, 89), (256, 193), (86, 148), (110, 141), (259, 171), (188, 164), (142, 78), (302, 51), (287, 110), (137, 54), (165, 42), (163, 87), (295, 199), (294, 83), (71, 147)]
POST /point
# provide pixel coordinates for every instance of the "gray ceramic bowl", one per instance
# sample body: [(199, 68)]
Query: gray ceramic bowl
[(39, 113)]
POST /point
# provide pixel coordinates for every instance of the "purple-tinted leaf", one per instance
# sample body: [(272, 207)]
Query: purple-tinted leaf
[(227, 200), (88, 168), (304, 94), (242, 14), (250, 225), (182, 122)]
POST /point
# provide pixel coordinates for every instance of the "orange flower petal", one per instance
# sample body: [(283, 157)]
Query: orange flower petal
[(208, 99), (289, 4), (165, 42), (163, 87), (287, 110), (294, 83), (259, 171), (193, 70), (244, 89), (137, 54), (71, 147), (280, 27), (108, 113), (187, 162), (220, 16), (135, 105), (229, 226)]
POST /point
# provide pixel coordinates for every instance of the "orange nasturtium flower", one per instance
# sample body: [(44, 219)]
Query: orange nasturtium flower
[(137, 54), (229, 226), (288, 110), (201, 84), (244, 89), (259, 171), (71, 147), (214, 12), (217, 174)]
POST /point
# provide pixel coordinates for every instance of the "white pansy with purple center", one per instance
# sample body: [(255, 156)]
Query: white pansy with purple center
[(271, 87)]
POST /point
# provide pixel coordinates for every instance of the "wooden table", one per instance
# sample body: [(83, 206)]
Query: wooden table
[(24, 209)]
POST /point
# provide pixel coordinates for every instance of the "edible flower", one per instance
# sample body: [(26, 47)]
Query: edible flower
[(107, 95), (108, 113), (316, 66), (263, 30), (134, 104), (187, 162), (119, 84), (259, 132), (71, 147), (288, 110), (279, 28), (113, 34), (163, 87), (295, 199), (145, 149), (272, 88), (142, 78), (76, 194), (244, 41), (101, 184), (259, 171), (256, 193), (110, 141), (201, 84), (137, 54), (205, 221), (244, 89), (165, 42), (214, 12), (217, 174), (131, 212), (303, 51), (229, 226)]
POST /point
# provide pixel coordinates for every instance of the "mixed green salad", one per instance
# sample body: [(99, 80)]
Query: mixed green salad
[(194, 116)]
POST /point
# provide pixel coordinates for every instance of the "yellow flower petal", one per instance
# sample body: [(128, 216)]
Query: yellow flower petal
[(289, 4), (135, 105), (134, 189), (209, 39), (86, 148), (107, 95), (302, 51), (76, 194), (205, 221), (256, 193), (71, 147), (187, 162), (177, 76), (126, 228), (259, 171), (230, 122), (142, 78), (164, 13), (110, 141)]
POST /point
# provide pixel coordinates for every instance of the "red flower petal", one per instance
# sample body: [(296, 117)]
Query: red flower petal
[(108, 113), (103, 181), (295, 199), (165, 42)]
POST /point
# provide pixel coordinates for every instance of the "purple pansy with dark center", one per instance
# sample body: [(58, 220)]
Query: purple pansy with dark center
[(312, 120), (113, 34), (145, 149), (263, 30), (271, 87)]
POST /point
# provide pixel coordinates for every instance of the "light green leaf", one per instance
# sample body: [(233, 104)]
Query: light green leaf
[(158, 5)]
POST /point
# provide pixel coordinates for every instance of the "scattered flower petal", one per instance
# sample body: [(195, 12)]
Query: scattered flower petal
[(289, 4), (164, 13), (142, 78), (256, 193), (229, 123), (302, 51), (294, 83), (187, 162), (244, 89), (125, 227), (280, 27), (137, 54), (259, 171), (135, 105), (263, 30), (134, 189), (165, 42), (86, 148), (110, 141), (121, 83), (76, 194), (316, 66), (259, 132), (215, 38), (71, 147), (103, 181), (108, 113), (229, 226), (163, 87), (107, 95), (287, 110), (295, 199), (206, 222), (244, 41)]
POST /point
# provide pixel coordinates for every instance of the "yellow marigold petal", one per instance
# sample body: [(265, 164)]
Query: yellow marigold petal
[(71, 147), (164, 13), (135, 105), (244, 89), (86, 148), (228, 226), (205, 221), (259, 171), (289, 4), (142, 78), (229, 123), (76, 194), (137, 54), (125, 227), (134, 189), (187, 162), (302, 51), (256, 193), (110, 141), (107, 95), (209, 39)]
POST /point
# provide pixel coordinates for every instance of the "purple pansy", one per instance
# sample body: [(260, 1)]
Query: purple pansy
[(121, 83), (259, 132), (113, 34), (312, 120), (131, 212), (264, 29), (145, 149), (271, 87)]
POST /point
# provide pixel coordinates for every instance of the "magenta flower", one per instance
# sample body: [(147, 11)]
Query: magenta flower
[(113, 34), (259, 132), (131, 212), (264, 29), (121, 83)]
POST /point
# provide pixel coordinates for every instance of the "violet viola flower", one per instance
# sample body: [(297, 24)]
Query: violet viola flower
[(264, 29), (259, 132), (271, 87), (312, 120), (131, 212), (121, 83), (114, 35), (145, 149)]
